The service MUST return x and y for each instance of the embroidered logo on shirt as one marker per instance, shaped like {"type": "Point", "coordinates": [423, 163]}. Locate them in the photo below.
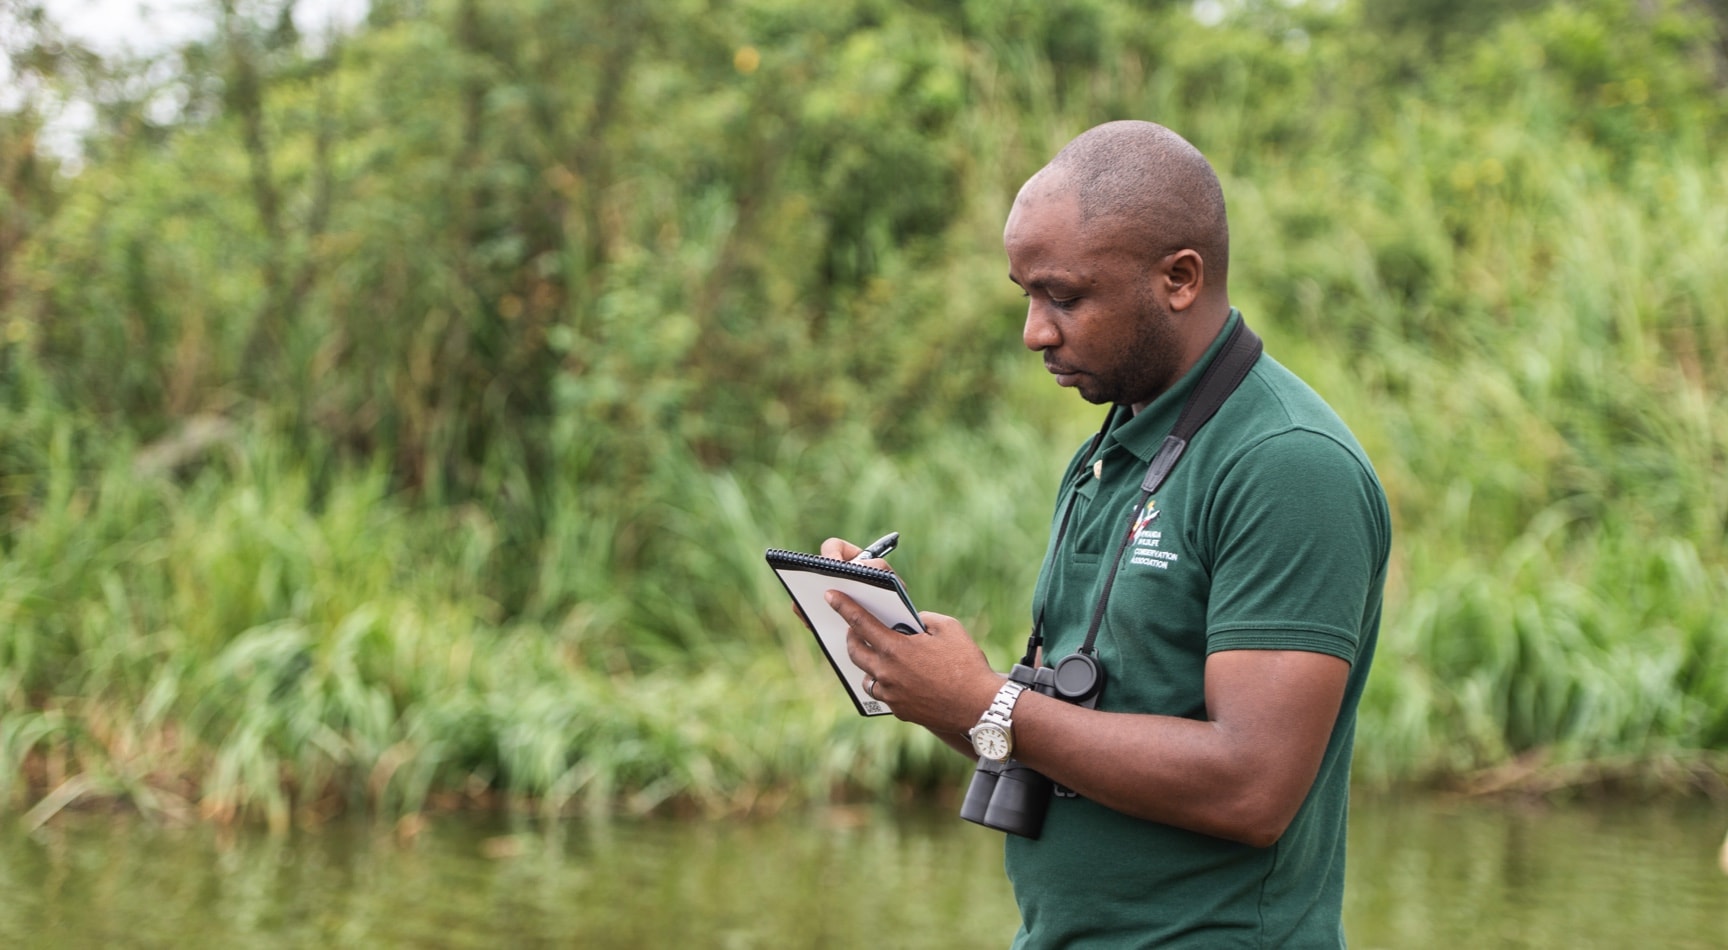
{"type": "Point", "coordinates": [1147, 515]}
{"type": "Point", "coordinates": [1147, 550]}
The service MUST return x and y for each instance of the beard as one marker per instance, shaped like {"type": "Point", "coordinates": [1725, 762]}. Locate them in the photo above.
{"type": "Point", "coordinates": [1144, 365]}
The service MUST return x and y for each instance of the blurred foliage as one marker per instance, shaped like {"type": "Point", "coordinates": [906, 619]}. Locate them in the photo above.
{"type": "Point", "coordinates": [405, 410]}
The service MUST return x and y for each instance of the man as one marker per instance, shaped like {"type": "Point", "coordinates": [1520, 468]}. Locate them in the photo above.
{"type": "Point", "coordinates": [1211, 782]}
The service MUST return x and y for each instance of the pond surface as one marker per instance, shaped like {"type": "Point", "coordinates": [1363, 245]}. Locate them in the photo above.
{"type": "Point", "coordinates": [1423, 873]}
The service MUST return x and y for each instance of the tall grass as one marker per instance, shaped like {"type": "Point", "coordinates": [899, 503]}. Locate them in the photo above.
{"type": "Point", "coordinates": [1553, 443]}
{"type": "Point", "coordinates": [235, 649]}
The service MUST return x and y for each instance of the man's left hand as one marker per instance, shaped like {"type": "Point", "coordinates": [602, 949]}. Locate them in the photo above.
{"type": "Point", "coordinates": [940, 679]}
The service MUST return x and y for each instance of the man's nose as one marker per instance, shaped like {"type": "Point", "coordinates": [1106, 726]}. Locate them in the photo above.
{"type": "Point", "coordinates": [1039, 332]}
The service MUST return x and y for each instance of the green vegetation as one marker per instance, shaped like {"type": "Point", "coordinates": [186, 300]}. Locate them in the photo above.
{"type": "Point", "coordinates": [396, 420]}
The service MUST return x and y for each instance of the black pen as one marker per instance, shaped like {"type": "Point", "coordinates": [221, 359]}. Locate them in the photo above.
{"type": "Point", "coordinates": [879, 547]}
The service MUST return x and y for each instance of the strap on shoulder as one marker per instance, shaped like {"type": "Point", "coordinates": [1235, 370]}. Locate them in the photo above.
{"type": "Point", "coordinates": [1219, 380]}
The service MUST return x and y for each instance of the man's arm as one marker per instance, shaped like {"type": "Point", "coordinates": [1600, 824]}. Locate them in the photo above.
{"type": "Point", "coordinates": [1241, 774]}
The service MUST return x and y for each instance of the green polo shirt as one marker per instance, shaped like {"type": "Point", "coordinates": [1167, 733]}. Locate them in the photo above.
{"type": "Point", "coordinates": [1272, 533]}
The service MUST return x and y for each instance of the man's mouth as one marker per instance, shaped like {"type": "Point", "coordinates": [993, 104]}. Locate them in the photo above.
{"type": "Point", "coordinates": [1065, 375]}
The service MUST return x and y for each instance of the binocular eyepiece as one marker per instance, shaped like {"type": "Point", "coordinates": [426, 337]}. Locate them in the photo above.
{"type": "Point", "coordinates": [1012, 797]}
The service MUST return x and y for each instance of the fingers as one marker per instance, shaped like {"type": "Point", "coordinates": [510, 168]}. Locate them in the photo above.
{"type": "Point", "coordinates": [847, 608]}
{"type": "Point", "coordinates": [862, 623]}
{"type": "Point", "coordinates": [840, 549]}
{"type": "Point", "coordinates": [940, 680]}
{"type": "Point", "coordinates": [866, 637]}
{"type": "Point", "coordinates": [935, 623]}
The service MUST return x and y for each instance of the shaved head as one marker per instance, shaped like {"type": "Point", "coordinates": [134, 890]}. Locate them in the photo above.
{"type": "Point", "coordinates": [1151, 183]}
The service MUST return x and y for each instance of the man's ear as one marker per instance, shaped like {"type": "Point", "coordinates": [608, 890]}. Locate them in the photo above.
{"type": "Point", "coordinates": [1183, 275]}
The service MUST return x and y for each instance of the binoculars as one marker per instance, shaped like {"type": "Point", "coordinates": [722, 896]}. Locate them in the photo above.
{"type": "Point", "coordinates": [1012, 797]}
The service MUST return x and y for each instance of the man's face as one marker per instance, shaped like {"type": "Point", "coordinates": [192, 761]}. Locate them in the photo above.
{"type": "Point", "coordinates": [1093, 309]}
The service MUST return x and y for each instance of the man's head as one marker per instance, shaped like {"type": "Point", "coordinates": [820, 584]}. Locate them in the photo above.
{"type": "Point", "coordinates": [1122, 247]}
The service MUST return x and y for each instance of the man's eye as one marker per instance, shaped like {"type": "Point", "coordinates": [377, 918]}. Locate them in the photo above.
{"type": "Point", "coordinates": [1064, 303]}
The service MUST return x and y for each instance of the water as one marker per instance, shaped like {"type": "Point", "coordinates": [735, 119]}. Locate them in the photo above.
{"type": "Point", "coordinates": [1430, 873]}
{"type": "Point", "coordinates": [1423, 873]}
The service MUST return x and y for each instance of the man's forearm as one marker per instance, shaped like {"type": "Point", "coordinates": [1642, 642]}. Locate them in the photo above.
{"type": "Point", "coordinates": [1241, 774]}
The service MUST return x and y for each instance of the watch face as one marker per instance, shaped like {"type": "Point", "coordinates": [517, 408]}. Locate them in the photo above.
{"type": "Point", "coordinates": [991, 742]}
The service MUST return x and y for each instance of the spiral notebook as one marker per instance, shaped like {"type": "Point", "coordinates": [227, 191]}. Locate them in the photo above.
{"type": "Point", "coordinates": [807, 577]}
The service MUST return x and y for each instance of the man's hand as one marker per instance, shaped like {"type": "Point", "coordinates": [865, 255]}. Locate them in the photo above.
{"type": "Point", "coordinates": [841, 549]}
{"type": "Point", "coordinates": [940, 679]}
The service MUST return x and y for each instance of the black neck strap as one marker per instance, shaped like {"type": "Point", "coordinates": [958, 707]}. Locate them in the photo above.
{"type": "Point", "coordinates": [1220, 378]}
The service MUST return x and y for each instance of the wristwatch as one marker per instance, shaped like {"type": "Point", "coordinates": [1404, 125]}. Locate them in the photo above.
{"type": "Point", "coordinates": [993, 737]}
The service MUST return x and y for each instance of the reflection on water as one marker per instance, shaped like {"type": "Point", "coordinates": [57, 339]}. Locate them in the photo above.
{"type": "Point", "coordinates": [1431, 874]}
{"type": "Point", "coordinates": [1423, 873]}
{"type": "Point", "coordinates": [838, 878]}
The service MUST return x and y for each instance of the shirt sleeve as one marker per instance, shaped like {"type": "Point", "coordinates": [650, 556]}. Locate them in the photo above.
{"type": "Point", "coordinates": [1297, 541]}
